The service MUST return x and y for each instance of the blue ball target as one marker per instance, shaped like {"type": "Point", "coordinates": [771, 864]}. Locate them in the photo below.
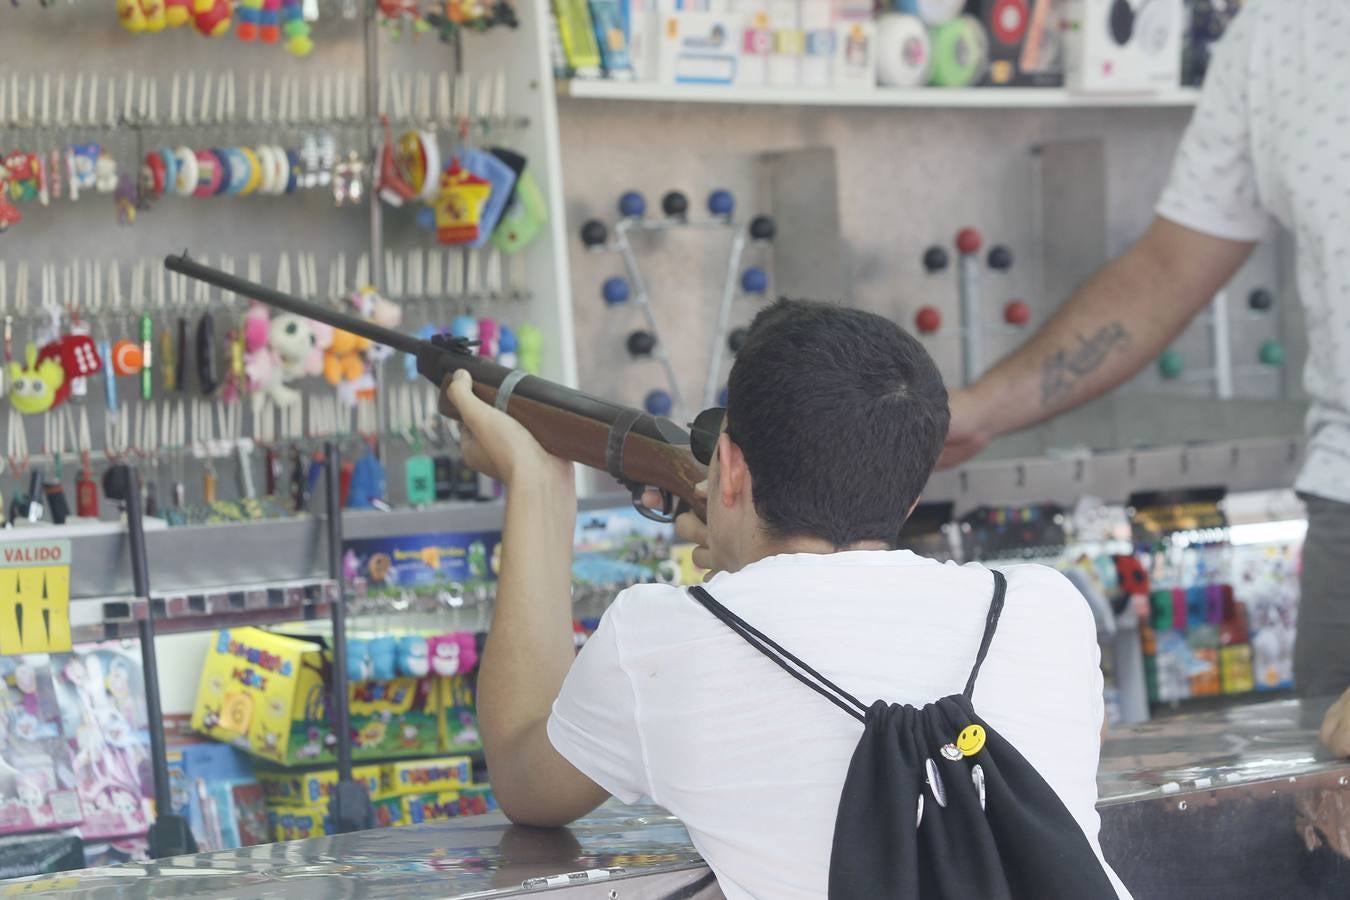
{"type": "Point", "coordinates": [721, 203]}
{"type": "Point", "coordinates": [615, 290]}
{"type": "Point", "coordinates": [658, 403]}
{"type": "Point", "coordinates": [754, 281]}
{"type": "Point", "coordinates": [722, 397]}
{"type": "Point", "coordinates": [632, 205]}
{"type": "Point", "coordinates": [464, 327]}
{"type": "Point", "coordinates": [426, 219]}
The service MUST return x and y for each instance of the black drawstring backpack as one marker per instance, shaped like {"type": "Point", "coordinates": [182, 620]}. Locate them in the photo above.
{"type": "Point", "coordinates": [936, 804]}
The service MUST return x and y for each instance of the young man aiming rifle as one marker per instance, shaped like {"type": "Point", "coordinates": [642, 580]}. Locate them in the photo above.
{"type": "Point", "coordinates": [835, 420]}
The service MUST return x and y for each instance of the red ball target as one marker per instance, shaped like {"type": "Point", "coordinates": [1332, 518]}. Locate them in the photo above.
{"type": "Point", "coordinates": [928, 320]}
{"type": "Point", "coordinates": [968, 241]}
{"type": "Point", "coordinates": [1017, 313]}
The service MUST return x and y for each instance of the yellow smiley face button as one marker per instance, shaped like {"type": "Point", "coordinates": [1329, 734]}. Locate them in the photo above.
{"type": "Point", "coordinates": [971, 740]}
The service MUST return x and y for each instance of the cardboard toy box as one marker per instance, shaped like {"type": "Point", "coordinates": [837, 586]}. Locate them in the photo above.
{"type": "Point", "coordinates": [101, 694]}
{"type": "Point", "coordinates": [295, 823]}
{"type": "Point", "coordinates": [422, 776]}
{"type": "Point", "coordinates": [313, 787]}
{"type": "Point", "coordinates": [39, 791]}
{"type": "Point", "coordinates": [419, 808]}
{"type": "Point", "coordinates": [458, 714]}
{"type": "Point", "coordinates": [476, 800]}
{"type": "Point", "coordinates": [214, 788]}
{"type": "Point", "coordinates": [267, 694]}
{"type": "Point", "coordinates": [697, 46]}
{"type": "Point", "coordinates": [1123, 45]}
{"type": "Point", "coordinates": [1026, 42]}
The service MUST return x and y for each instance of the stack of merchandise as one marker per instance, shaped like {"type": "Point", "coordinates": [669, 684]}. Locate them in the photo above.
{"type": "Point", "coordinates": [1197, 639]}
{"type": "Point", "coordinates": [407, 792]}
{"type": "Point", "coordinates": [269, 694]}
{"type": "Point", "coordinates": [74, 750]}
{"type": "Point", "coordinates": [214, 789]}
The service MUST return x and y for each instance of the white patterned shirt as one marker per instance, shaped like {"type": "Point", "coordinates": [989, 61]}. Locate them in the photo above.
{"type": "Point", "coordinates": [1270, 142]}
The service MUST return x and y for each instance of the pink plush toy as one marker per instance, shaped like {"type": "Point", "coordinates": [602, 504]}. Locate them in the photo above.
{"type": "Point", "coordinates": [279, 349]}
{"type": "Point", "coordinates": [468, 652]}
{"type": "Point", "coordinates": [444, 650]}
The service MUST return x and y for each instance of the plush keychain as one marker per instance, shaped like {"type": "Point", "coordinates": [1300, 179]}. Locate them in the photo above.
{"type": "Point", "coordinates": [383, 658]}
{"type": "Point", "coordinates": [33, 387]}
{"type": "Point", "coordinates": [78, 357]}
{"type": "Point", "coordinates": [359, 664]}
{"type": "Point", "coordinates": [177, 13]}
{"type": "Point", "coordinates": [412, 656]}
{"type": "Point", "coordinates": [211, 17]}
{"type": "Point", "coordinates": [295, 29]}
{"type": "Point", "coordinates": [468, 652]}
{"type": "Point", "coordinates": [444, 650]}
{"type": "Point", "coordinates": [500, 172]}
{"type": "Point", "coordinates": [279, 349]}
{"type": "Point", "coordinates": [523, 219]}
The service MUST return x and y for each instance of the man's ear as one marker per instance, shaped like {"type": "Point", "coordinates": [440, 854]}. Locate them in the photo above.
{"type": "Point", "coordinates": [733, 476]}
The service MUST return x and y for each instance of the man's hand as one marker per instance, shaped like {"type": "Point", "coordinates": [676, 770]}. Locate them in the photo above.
{"type": "Point", "coordinates": [494, 443]}
{"type": "Point", "coordinates": [1336, 726]}
{"type": "Point", "coordinates": [967, 434]}
{"type": "Point", "coordinates": [689, 528]}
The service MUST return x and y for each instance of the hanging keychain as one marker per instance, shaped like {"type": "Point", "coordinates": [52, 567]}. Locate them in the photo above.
{"type": "Point", "coordinates": [86, 490]}
{"type": "Point", "coordinates": [53, 489]}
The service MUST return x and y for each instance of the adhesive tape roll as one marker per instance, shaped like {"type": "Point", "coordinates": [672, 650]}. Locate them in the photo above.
{"type": "Point", "coordinates": [960, 53]}
{"type": "Point", "coordinates": [903, 52]}
{"type": "Point", "coordinates": [933, 12]}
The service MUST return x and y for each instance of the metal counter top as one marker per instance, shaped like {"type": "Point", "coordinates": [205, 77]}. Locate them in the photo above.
{"type": "Point", "coordinates": [1160, 782]}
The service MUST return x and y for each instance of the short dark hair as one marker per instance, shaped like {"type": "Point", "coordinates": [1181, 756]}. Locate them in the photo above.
{"type": "Point", "coordinates": [841, 415]}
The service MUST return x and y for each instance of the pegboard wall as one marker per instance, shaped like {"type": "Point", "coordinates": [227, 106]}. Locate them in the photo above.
{"type": "Point", "coordinates": [177, 88]}
{"type": "Point", "coordinates": [906, 179]}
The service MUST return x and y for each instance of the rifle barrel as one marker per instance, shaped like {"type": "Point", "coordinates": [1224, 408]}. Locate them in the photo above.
{"type": "Point", "coordinates": [366, 329]}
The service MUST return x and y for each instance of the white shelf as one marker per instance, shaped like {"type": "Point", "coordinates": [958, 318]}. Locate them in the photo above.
{"type": "Point", "coordinates": [966, 98]}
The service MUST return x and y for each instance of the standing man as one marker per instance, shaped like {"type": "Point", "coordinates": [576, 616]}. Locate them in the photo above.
{"type": "Point", "coordinates": [1269, 142]}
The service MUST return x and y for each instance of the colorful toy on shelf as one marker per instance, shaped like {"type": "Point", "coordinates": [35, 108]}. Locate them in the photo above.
{"type": "Point", "coordinates": [401, 17]}
{"type": "Point", "coordinates": [177, 13]}
{"type": "Point", "coordinates": [278, 350]}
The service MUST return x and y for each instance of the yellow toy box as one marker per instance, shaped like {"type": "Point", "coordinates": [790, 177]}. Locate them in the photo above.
{"type": "Point", "coordinates": [421, 776]}
{"type": "Point", "coordinates": [267, 694]}
{"type": "Point", "coordinates": [419, 808]}
{"type": "Point", "coordinates": [294, 823]}
{"type": "Point", "coordinates": [314, 787]}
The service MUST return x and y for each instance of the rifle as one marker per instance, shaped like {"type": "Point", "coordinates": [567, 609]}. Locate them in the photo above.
{"type": "Point", "coordinates": [638, 449]}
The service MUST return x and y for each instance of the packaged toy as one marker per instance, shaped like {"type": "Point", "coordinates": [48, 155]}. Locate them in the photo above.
{"type": "Point", "coordinates": [37, 784]}
{"type": "Point", "coordinates": [420, 776]}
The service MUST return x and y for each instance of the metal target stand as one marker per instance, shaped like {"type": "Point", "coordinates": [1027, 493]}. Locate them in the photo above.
{"type": "Point", "coordinates": [617, 290]}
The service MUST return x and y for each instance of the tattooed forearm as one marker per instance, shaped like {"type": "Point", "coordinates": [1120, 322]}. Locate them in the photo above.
{"type": "Point", "coordinates": [1063, 369]}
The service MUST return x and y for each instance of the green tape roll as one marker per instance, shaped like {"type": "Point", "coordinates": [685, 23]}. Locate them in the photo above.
{"type": "Point", "coordinates": [960, 53]}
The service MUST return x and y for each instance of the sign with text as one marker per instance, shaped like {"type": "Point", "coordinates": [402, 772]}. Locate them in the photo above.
{"type": "Point", "coordinates": [35, 597]}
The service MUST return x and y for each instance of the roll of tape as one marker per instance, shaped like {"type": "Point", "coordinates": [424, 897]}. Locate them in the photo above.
{"type": "Point", "coordinates": [933, 12]}
{"type": "Point", "coordinates": [960, 53]}
{"type": "Point", "coordinates": [903, 51]}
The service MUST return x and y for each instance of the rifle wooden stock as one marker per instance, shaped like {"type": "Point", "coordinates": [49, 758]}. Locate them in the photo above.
{"type": "Point", "coordinates": [568, 423]}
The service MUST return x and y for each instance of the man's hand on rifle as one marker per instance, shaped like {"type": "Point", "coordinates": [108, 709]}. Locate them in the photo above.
{"type": "Point", "coordinates": [689, 528]}
{"type": "Point", "coordinates": [496, 444]}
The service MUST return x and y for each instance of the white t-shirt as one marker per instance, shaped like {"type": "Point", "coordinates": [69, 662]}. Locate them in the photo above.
{"type": "Point", "coordinates": [1270, 142]}
{"type": "Point", "coordinates": [666, 703]}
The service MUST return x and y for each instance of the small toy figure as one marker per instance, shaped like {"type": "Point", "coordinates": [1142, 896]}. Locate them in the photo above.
{"type": "Point", "coordinates": [33, 387]}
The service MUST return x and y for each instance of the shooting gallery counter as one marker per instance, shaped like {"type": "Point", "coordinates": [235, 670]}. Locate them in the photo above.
{"type": "Point", "coordinates": [1232, 804]}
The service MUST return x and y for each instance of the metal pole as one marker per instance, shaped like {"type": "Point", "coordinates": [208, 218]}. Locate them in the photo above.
{"type": "Point", "coordinates": [643, 302]}
{"type": "Point", "coordinates": [719, 339]}
{"type": "Point", "coordinates": [1223, 348]}
{"type": "Point", "coordinates": [972, 334]}
{"type": "Point", "coordinates": [333, 527]}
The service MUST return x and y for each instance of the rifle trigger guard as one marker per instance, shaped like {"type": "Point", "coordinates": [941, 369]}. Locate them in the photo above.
{"type": "Point", "coordinates": [618, 436]}
{"type": "Point", "coordinates": [667, 513]}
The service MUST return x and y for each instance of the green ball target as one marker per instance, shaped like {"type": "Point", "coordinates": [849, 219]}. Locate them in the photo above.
{"type": "Point", "coordinates": [1171, 364]}
{"type": "Point", "coordinates": [1271, 354]}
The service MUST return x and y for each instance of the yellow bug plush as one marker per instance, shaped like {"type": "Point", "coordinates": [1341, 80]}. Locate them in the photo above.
{"type": "Point", "coordinates": [32, 388]}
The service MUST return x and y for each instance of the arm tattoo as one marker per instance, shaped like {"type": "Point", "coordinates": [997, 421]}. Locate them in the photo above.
{"type": "Point", "coordinates": [1063, 369]}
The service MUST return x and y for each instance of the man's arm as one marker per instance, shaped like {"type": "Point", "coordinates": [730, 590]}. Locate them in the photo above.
{"type": "Point", "coordinates": [1112, 327]}
{"type": "Point", "coordinates": [529, 647]}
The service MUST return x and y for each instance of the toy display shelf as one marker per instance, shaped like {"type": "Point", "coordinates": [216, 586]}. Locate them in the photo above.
{"type": "Point", "coordinates": [940, 98]}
